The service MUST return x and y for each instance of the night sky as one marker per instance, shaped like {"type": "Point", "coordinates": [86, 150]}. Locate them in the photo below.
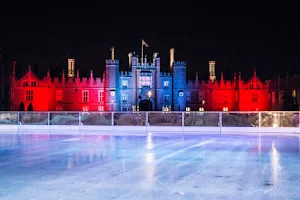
{"type": "Point", "coordinates": [239, 37]}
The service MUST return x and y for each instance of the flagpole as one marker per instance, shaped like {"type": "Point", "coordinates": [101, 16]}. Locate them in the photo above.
{"type": "Point", "coordinates": [142, 51]}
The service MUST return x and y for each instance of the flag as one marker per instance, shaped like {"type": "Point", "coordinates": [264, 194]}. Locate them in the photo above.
{"type": "Point", "coordinates": [145, 43]}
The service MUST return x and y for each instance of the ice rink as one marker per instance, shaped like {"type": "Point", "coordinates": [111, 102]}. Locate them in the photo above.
{"type": "Point", "coordinates": [71, 167]}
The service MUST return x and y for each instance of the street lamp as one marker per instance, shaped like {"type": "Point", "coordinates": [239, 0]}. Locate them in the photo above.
{"type": "Point", "coordinates": [149, 94]}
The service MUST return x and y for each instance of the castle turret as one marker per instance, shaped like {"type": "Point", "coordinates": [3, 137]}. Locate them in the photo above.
{"type": "Point", "coordinates": [157, 95]}
{"type": "Point", "coordinates": [212, 73]}
{"type": "Point", "coordinates": [179, 86]}
{"type": "Point", "coordinates": [71, 67]}
{"type": "Point", "coordinates": [112, 75]}
{"type": "Point", "coordinates": [134, 83]}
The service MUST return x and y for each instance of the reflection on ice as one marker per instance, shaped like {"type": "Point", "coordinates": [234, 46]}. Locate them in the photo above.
{"type": "Point", "coordinates": [169, 167]}
{"type": "Point", "coordinates": [275, 165]}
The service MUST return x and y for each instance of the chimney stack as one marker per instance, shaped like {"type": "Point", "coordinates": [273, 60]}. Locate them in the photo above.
{"type": "Point", "coordinates": [112, 49]}
{"type": "Point", "coordinates": [172, 52]}
{"type": "Point", "coordinates": [71, 67]}
{"type": "Point", "coordinates": [130, 59]}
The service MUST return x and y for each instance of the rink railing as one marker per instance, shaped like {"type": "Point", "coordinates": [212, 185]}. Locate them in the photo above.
{"type": "Point", "coordinates": [273, 121]}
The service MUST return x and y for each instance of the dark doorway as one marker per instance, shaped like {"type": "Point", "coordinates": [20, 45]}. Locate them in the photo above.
{"type": "Point", "coordinates": [145, 105]}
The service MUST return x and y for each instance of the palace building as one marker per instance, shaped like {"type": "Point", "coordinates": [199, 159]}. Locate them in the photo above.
{"type": "Point", "coordinates": [142, 87]}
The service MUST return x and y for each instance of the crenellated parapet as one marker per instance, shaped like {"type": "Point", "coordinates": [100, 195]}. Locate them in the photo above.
{"type": "Point", "coordinates": [125, 73]}
{"type": "Point", "coordinates": [165, 74]}
{"type": "Point", "coordinates": [179, 63]}
{"type": "Point", "coordinates": [111, 62]}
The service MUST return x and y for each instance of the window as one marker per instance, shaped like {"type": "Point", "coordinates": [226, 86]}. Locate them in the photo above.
{"type": "Point", "coordinates": [124, 109]}
{"type": "Point", "coordinates": [145, 81]}
{"type": "Point", "coordinates": [273, 97]}
{"type": "Point", "coordinates": [281, 93]}
{"type": "Point", "coordinates": [85, 108]}
{"type": "Point", "coordinates": [251, 86]}
{"type": "Point", "coordinates": [25, 83]}
{"type": "Point", "coordinates": [29, 95]}
{"type": "Point", "coordinates": [167, 98]}
{"type": "Point", "coordinates": [166, 84]}
{"type": "Point", "coordinates": [225, 109]}
{"type": "Point", "coordinates": [59, 95]}
{"type": "Point", "coordinates": [294, 93]}
{"type": "Point", "coordinates": [187, 109]}
{"type": "Point", "coordinates": [124, 83]}
{"type": "Point", "coordinates": [201, 109]}
{"type": "Point", "coordinates": [100, 108]}
{"type": "Point", "coordinates": [201, 96]}
{"type": "Point", "coordinates": [257, 86]}
{"type": "Point", "coordinates": [85, 96]}
{"type": "Point", "coordinates": [254, 97]}
{"type": "Point", "coordinates": [100, 95]}
{"type": "Point", "coordinates": [33, 83]}
{"type": "Point", "coordinates": [188, 97]}
{"type": "Point", "coordinates": [59, 107]}
{"type": "Point", "coordinates": [124, 97]}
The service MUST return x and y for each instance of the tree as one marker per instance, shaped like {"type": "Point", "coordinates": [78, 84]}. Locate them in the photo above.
{"type": "Point", "coordinates": [22, 107]}
{"type": "Point", "coordinates": [30, 108]}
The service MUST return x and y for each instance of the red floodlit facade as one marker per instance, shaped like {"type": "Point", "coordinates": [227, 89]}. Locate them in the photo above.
{"type": "Point", "coordinates": [72, 93]}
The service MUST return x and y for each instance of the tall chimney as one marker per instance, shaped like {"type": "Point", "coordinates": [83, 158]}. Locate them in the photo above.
{"type": "Point", "coordinates": [130, 59]}
{"type": "Point", "coordinates": [212, 73]}
{"type": "Point", "coordinates": [14, 68]}
{"type": "Point", "coordinates": [172, 52]}
{"type": "Point", "coordinates": [71, 67]}
{"type": "Point", "coordinates": [112, 49]}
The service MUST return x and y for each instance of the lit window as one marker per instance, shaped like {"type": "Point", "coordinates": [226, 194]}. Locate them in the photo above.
{"type": "Point", "coordinates": [254, 97]}
{"type": "Point", "coordinates": [29, 95]}
{"type": "Point", "coordinates": [187, 109]}
{"type": "Point", "coordinates": [201, 109]}
{"type": "Point", "coordinates": [100, 95]}
{"type": "Point", "coordinates": [100, 108]}
{"type": "Point", "coordinates": [166, 108]}
{"type": "Point", "coordinates": [166, 84]}
{"type": "Point", "coordinates": [85, 96]}
{"type": "Point", "coordinates": [85, 108]}
{"type": "Point", "coordinates": [145, 81]}
{"type": "Point", "coordinates": [225, 109]}
{"type": "Point", "coordinates": [294, 93]}
{"type": "Point", "coordinates": [124, 83]}
{"type": "Point", "coordinates": [124, 97]}
{"type": "Point", "coordinates": [59, 95]}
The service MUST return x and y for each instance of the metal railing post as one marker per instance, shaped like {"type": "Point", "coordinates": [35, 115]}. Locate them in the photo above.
{"type": "Point", "coordinates": [299, 120]}
{"type": "Point", "coordinates": [220, 122]}
{"type": "Point", "coordinates": [48, 118]}
{"type": "Point", "coordinates": [182, 119]}
{"type": "Point", "coordinates": [112, 118]}
{"type": "Point", "coordinates": [259, 119]}
{"type": "Point", "coordinates": [147, 123]}
{"type": "Point", "coordinates": [79, 118]}
{"type": "Point", "coordinates": [18, 118]}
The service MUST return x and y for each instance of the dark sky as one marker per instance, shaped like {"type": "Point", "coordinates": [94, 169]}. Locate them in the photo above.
{"type": "Point", "coordinates": [239, 37]}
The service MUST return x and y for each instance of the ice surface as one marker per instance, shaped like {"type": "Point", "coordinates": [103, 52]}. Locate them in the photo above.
{"type": "Point", "coordinates": [41, 166]}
